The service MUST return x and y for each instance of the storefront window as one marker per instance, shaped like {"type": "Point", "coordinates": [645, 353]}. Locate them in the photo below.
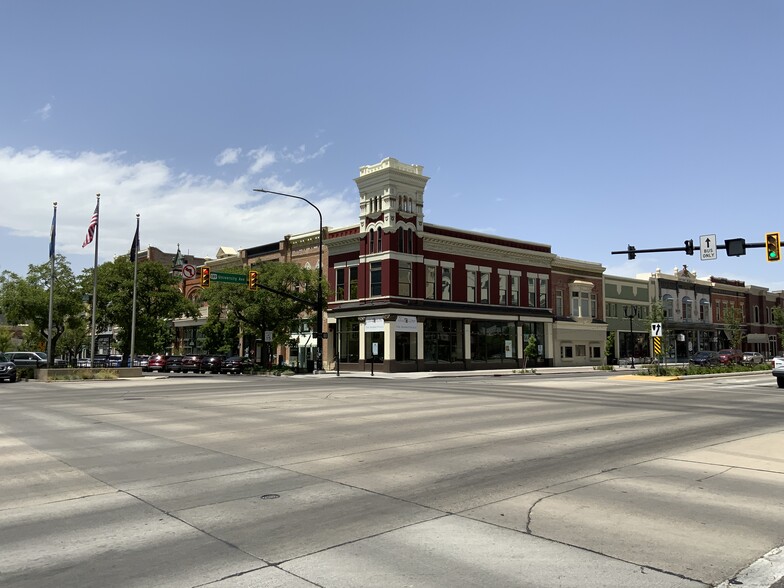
{"type": "Point", "coordinates": [493, 341]}
{"type": "Point", "coordinates": [443, 340]}
{"type": "Point", "coordinates": [405, 346]}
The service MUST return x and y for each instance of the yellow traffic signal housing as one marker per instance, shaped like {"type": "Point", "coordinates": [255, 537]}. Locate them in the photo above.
{"type": "Point", "coordinates": [205, 277]}
{"type": "Point", "coordinates": [773, 246]}
{"type": "Point", "coordinates": [253, 280]}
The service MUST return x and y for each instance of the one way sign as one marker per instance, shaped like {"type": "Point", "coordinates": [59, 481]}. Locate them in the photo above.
{"type": "Point", "coordinates": [708, 247]}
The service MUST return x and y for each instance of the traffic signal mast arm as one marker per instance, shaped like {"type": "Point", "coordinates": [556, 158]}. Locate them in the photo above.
{"type": "Point", "coordinates": [688, 248]}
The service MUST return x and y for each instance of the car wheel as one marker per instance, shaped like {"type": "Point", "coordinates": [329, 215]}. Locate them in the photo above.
{"type": "Point", "coordinates": [12, 379]}
{"type": "Point", "coordinates": [780, 381]}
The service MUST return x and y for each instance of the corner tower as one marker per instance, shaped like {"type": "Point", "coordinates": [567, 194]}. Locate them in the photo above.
{"type": "Point", "coordinates": [391, 196]}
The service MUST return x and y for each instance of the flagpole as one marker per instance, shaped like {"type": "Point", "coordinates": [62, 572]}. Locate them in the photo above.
{"type": "Point", "coordinates": [49, 361]}
{"type": "Point", "coordinates": [135, 253]}
{"type": "Point", "coordinates": [95, 279]}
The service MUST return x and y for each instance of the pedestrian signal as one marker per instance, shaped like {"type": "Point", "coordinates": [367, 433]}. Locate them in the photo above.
{"type": "Point", "coordinates": [253, 280]}
{"type": "Point", "coordinates": [773, 246]}
{"type": "Point", "coordinates": [205, 277]}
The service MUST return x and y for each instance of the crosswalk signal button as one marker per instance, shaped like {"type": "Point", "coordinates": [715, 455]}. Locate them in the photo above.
{"type": "Point", "coordinates": [773, 246]}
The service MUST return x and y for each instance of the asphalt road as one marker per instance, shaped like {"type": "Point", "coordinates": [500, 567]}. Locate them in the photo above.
{"type": "Point", "coordinates": [525, 480]}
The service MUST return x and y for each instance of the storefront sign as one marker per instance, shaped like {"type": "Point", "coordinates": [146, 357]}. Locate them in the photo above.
{"type": "Point", "coordinates": [405, 324]}
{"type": "Point", "coordinates": [374, 324]}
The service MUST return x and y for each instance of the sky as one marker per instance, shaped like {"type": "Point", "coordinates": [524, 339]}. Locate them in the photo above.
{"type": "Point", "coordinates": [587, 126]}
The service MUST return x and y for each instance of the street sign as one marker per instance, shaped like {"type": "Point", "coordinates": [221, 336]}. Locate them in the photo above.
{"type": "Point", "coordinates": [708, 247]}
{"type": "Point", "coordinates": [188, 271]}
{"type": "Point", "coordinates": [656, 329]}
{"type": "Point", "coordinates": [229, 278]}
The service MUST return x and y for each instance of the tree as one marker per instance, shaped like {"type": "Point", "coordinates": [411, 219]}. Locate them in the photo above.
{"type": "Point", "coordinates": [609, 347]}
{"type": "Point", "coordinates": [158, 302]}
{"type": "Point", "coordinates": [778, 320]}
{"type": "Point", "coordinates": [531, 351]}
{"type": "Point", "coordinates": [5, 339]}
{"type": "Point", "coordinates": [26, 300]}
{"type": "Point", "coordinates": [255, 312]}
{"type": "Point", "coordinates": [733, 322]}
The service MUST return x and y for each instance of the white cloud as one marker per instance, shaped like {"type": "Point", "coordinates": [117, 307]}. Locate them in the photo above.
{"type": "Point", "coordinates": [262, 158]}
{"type": "Point", "coordinates": [201, 213]}
{"type": "Point", "coordinates": [300, 155]}
{"type": "Point", "coordinates": [45, 112]}
{"type": "Point", "coordinates": [228, 155]}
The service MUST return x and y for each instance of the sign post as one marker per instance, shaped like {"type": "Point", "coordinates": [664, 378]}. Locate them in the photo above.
{"type": "Point", "coordinates": [708, 248]}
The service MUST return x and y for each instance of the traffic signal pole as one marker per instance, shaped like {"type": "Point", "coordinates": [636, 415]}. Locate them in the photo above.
{"type": "Point", "coordinates": [734, 247]}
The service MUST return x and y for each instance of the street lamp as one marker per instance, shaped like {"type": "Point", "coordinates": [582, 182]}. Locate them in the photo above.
{"type": "Point", "coordinates": [319, 309]}
{"type": "Point", "coordinates": [630, 312]}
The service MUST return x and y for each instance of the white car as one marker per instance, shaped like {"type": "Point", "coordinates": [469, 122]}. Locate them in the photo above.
{"type": "Point", "coordinates": [752, 357]}
{"type": "Point", "coordinates": [778, 370]}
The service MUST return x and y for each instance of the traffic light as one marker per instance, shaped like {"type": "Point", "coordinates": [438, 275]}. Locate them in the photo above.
{"type": "Point", "coordinates": [773, 246]}
{"type": "Point", "coordinates": [205, 277]}
{"type": "Point", "coordinates": [689, 246]}
{"type": "Point", "coordinates": [631, 252]}
{"type": "Point", "coordinates": [253, 280]}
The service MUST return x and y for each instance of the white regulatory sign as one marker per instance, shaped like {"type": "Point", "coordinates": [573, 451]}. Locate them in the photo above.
{"type": "Point", "coordinates": [656, 330]}
{"type": "Point", "coordinates": [188, 271]}
{"type": "Point", "coordinates": [708, 247]}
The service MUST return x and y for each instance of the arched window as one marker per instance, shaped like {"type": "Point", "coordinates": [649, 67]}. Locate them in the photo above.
{"type": "Point", "coordinates": [371, 240]}
{"type": "Point", "coordinates": [667, 306]}
{"type": "Point", "coordinates": [686, 308]}
{"type": "Point", "coordinates": [378, 241]}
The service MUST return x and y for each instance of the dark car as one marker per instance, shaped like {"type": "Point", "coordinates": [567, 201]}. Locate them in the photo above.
{"type": "Point", "coordinates": [705, 358]}
{"type": "Point", "coordinates": [191, 363]}
{"type": "Point", "coordinates": [235, 365]}
{"type": "Point", "coordinates": [728, 356]}
{"type": "Point", "coordinates": [7, 369]}
{"type": "Point", "coordinates": [33, 359]}
{"type": "Point", "coordinates": [155, 363]}
{"type": "Point", "coordinates": [173, 363]}
{"type": "Point", "coordinates": [212, 363]}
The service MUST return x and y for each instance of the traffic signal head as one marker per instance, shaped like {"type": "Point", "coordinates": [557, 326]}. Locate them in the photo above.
{"type": "Point", "coordinates": [772, 247]}
{"type": "Point", "coordinates": [253, 280]}
{"type": "Point", "coordinates": [689, 246]}
{"type": "Point", "coordinates": [205, 277]}
{"type": "Point", "coordinates": [630, 252]}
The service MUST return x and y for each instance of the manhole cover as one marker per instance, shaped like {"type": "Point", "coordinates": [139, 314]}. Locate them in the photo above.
{"type": "Point", "coordinates": [269, 496]}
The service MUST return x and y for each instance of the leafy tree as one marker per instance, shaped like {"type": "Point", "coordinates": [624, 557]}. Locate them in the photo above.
{"type": "Point", "coordinates": [733, 322]}
{"type": "Point", "coordinates": [531, 350]}
{"type": "Point", "coordinates": [5, 339]}
{"type": "Point", "coordinates": [778, 320]}
{"type": "Point", "coordinates": [158, 302]}
{"type": "Point", "coordinates": [26, 300]}
{"type": "Point", "coordinates": [255, 312]}
{"type": "Point", "coordinates": [609, 347]}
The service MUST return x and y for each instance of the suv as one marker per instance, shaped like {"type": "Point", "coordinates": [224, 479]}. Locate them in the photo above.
{"type": "Point", "coordinates": [34, 359]}
{"type": "Point", "coordinates": [155, 363]}
{"type": "Point", "coordinates": [173, 363]}
{"type": "Point", "coordinates": [778, 370]}
{"type": "Point", "coordinates": [7, 369]}
{"type": "Point", "coordinates": [728, 356]}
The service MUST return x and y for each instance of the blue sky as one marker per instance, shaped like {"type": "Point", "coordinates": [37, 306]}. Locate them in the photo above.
{"type": "Point", "coordinates": [584, 125]}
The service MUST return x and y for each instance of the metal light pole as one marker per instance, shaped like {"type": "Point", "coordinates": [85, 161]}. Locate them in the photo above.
{"type": "Point", "coordinates": [630, 312]}
{"type": "Point", "coordinates": [319, 309]}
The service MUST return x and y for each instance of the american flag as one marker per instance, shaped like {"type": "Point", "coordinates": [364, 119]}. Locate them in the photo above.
{"type": "Point", "coordinates": [91, 228]}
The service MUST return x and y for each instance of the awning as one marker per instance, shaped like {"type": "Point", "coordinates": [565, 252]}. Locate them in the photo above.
{"type": "Point", "coordinates": [757, 338]}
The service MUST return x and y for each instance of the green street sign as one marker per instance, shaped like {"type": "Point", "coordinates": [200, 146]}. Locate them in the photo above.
{"type": "Point", "coordinates": [229, 278]}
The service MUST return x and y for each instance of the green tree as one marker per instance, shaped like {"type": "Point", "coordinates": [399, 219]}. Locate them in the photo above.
{"type": "Point", "coordinates": [158, 303]}
{"type": "Point", "coordinates": [5, 339]}
{"type": "Point", "coordinates": [733, 323]}
{"type": "Point", "coordinates": [778, 320]}
{"type": "Point", "coordinates": [25, 300]}
{"type": "Point", "coordinates": [531, 351]}
{"type": "Point", "coordinates": [609, 347]}
{"type": "Point", "coordinates": [255, 312]}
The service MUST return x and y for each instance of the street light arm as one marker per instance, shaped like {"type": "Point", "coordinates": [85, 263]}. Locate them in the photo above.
{"type": "Point", "coordinates": [292, 196]}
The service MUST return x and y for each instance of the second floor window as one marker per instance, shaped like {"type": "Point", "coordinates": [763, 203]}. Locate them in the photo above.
{"type": "Point", "coordinates": [484, 287]}
{"type": "Point", "coordinates": [404, 278]}
{"type": "Point", "coordinates": [514, 294]}
{"type": "Point", "coordinates": [340, 283]}
{"type": "Point", "coordinates": [446, 283]}
{"type": "Point", "coordinates": [430, 282]}
{"type": "Point", "coordinates": [375, 278]}
{"type": "Point", "coordinates": [503, 285]}
{"type": "Point", "coordinates": [471, 286]}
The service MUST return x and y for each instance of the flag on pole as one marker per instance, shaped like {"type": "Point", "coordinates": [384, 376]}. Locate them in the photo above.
{"type": "Point", "coordinates": [91, 228]}
{"type": "Point", "coordinates": [53, 233]}
{"type": "Point", "coordinates": [135, 244]}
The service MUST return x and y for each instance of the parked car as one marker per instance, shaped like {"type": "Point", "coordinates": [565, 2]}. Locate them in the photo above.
{"type": "Point", "coordinates": [7, 369]}
{"type": "Point", "coordinates": [173, 363]}
{"type": "Point", "coordinates": [728, 356]}
{"type": "Point", "coordinates": [753, 357]}
{"type": "Point", "coordinates": [191, 363]}
{"type": "Point", "coordinates": [212, 363]}
{"type": "Point", "coordinates": [778, 370]}
{"type": "Point", "coordinates": [155, 363]}
{"type": "Point", "coordinates": [235, 365]}
{"type": "Point", "coordinates": [33, 359]}
{"type": "Point", "coordinates": [141, 361]}
{"type": "Point", "coordinates": [705, 358]}
{"type": "Point", "coordinates": [114, 361]}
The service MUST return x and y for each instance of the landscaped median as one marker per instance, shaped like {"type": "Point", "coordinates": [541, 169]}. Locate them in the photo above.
{"type": "Point", "coordinates": [46, 374]}
{"type": "Point", "coordinates": [666, 373]}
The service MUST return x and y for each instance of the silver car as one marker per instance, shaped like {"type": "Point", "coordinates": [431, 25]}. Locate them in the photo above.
{"type": "Point", "coordinates": [752, 357]}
